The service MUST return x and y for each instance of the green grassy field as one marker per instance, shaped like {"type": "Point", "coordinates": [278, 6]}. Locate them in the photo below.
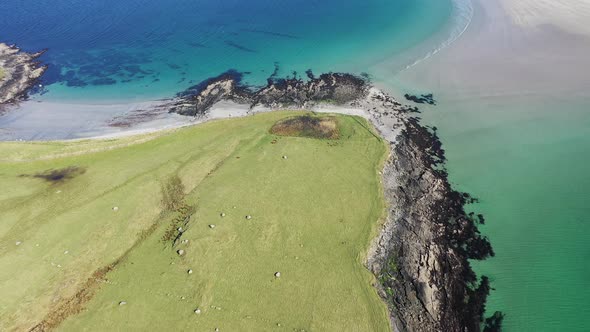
{"type": "Point", "coordinates": [312, 217]}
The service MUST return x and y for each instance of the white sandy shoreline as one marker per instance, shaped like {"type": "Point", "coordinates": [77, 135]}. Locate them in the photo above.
{"type": "Point", "coordinates": [163, 120]}
{"type": "Point", "coordinates": [160, 122]}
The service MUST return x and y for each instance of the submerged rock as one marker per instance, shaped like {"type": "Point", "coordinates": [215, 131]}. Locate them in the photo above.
{"type": "Point", "coordinates": [421, 99]}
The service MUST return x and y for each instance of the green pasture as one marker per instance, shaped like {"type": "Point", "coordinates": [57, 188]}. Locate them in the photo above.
{"type": "Point", "coordinates": [75, 245]}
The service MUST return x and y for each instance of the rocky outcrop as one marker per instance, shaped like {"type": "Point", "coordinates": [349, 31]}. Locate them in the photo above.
{"type": "Point", "coordinates": [283, 92]}
{"type": "Point", "coordinates": [421, 256]}
{"type": "Point", "coordinates": [198, 99]}
{"type": "Point", "coordinates": [19, 71]}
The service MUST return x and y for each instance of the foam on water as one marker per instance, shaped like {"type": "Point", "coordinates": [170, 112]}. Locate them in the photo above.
{"type": "Point", "coordinates": [461, 19]}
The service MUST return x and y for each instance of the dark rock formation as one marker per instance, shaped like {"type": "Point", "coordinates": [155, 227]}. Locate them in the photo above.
{"type": "Point", "coordinates": [433, 285]}
{"type": "Point", "coordinates": [421, 99]}
{"type": "Point", "coordinates": [421, 257]}
{"type": "Point", "coordinates": [279, 92]}
{"type": "Point", "coordinates": [20, 71]}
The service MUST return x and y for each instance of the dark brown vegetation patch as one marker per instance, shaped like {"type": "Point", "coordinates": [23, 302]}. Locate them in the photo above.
{"type": "Point", "coordinates": [325, 127]}
{"type": "Point", "coordinates": [59, 175]}
{"type": "Point", "coordinates": [75, 304]}
{"type": "Point", "coordinates": [172, 193]}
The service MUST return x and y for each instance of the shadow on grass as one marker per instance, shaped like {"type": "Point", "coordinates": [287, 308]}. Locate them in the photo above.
{"type": "Point", "coordinates": [60, 175]}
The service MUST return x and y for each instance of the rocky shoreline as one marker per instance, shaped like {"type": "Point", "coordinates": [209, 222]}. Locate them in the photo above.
{"type": "Point", "coordinates": [20, 71]}
{"type": "Point", "coordinates": [295, 92]}
{"type": "Point", "coordinates": [422, 252]}
{"type": "Point", "coordinates": [421, 256]}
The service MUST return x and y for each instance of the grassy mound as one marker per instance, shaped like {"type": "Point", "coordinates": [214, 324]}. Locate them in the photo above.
{"type": "Point", "coordinates": [324, 127]}
{"type": "Point", "coordinates": [99, 248]}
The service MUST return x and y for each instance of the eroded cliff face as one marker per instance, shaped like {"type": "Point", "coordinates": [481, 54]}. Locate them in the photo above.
{"type": "Point", "coordinates": [421, 254]}
{"type": "Point", "coordinates": [21, 70]}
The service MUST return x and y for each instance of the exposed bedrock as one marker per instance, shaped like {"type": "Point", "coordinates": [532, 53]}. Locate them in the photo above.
{"type": "Point", "coordinates": [19, 71]}
{"type": "Point", "coordinates": [279, 92]}
{"type": "Point", "coordinates": [421, 255]}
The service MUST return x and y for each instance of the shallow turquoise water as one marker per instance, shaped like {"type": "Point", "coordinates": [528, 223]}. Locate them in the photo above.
{"type": "Point", "coordinates": [143, 50]}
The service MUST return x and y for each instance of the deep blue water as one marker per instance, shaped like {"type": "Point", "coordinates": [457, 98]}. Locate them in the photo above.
{"type": "Point", "coordinates": [142, 50]}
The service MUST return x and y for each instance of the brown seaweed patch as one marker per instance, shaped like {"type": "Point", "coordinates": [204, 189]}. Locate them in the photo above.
{"type": "Point", "coordinates": [59, 175]}
{"type": "Point", "coordinates": [325, 127]}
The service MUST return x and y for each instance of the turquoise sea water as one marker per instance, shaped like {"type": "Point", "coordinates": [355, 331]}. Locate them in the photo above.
{"type": "Point", "coordinates": [133, 50]}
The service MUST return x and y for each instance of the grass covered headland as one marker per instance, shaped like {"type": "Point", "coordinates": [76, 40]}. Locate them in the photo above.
{"type": "Point", "coordinates": [222, 225]}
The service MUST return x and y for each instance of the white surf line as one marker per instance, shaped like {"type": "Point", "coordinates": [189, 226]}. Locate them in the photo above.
{"type": "Point", "coordinates": [464, 16]}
